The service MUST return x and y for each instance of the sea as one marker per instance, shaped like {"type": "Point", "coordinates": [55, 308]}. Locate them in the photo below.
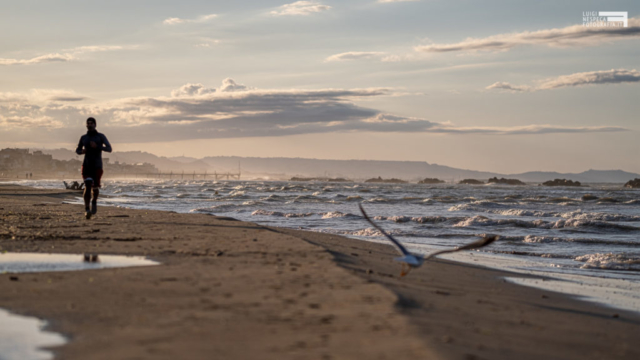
{"type": "Point", "coordinates": [583, 241]}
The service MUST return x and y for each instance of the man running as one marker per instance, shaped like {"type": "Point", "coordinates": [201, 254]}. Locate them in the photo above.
{"type": "Point", "coordinates": [92, 144]}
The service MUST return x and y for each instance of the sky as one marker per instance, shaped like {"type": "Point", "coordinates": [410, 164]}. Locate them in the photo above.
{"type": "Point", "coordinates": [503, 86]}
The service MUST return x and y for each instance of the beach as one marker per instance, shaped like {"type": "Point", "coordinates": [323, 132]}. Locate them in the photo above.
{"type": "Point", "coordinates": [228, 289]}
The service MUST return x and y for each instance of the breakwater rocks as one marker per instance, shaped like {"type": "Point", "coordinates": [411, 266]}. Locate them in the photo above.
{"type": "Point", "coordinates": [503, 181]}
{"type": "Point", "coordinates": [320, 179]}
{"type": "Point", "coordinates": [634, 184]}
{"type": "Point", "coordinates": [386, 181]}
{"type": "Point", "coordinates": [431, 181]}
{"type": "Point", "coordinates": [561, 182]}
{"type": "Point", "coordinates": [471, 182]}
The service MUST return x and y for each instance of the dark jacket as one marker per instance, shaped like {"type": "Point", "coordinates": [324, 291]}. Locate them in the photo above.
{"type": "Point", "coordinates": [93, 157]}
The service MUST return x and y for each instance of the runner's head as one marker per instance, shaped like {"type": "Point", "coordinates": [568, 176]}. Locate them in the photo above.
{"type": "Point", "coordinates": [91, 124]}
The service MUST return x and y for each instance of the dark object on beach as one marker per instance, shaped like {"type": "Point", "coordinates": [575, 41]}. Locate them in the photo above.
{"type": "Point", "coordinates": [320, 179]}
{"type": "Point", "coordinates": [91, 258]}
{"type": "Point", "coordinates": [633, 184]}
{"type": "Point", "coordinates": [503, 181]}
{"type": "Point", "coordinates": [588, 197]}
{"type": "Point", "coordinates": [13, 278]}
{"type": "Point", "coordinates": [561, 182]}
{"type": "Point", "coordinates": [74, 186]}
{"type": "Point", "coordinates": [386, 181]}
{"type": "Point", "coordinates": [471, 182]}
{"type": "Point", "coordinates": [410, 260]}
{"type": "Point", "coordinates": [431, 181]}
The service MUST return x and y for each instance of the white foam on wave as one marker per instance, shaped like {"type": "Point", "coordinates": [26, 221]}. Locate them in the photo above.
{"type": "Point", "coordinates": [609, 261]}
{"type": "Point", "coordinates": [281, 214]}
{"type": "Point", "coordinates": [338, 214]}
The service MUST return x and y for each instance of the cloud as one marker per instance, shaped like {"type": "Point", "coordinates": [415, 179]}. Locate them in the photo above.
{"type": "Point", "coordinates": [207, 42]}
{"type": "Point", "coordinates": [68, 55]}
{"type": "Point", "coordinates": [393, 1]}
{"type": "Point", "coordinates": [199, 19]}
{"type": "Point", "coordinates": [355, 55]}
{"type": "Point", "coordinates": [613, 76]}
{"type": "Point", "coordinates": [195, 111]}
{"type": "Point", "coordinates": [39, 59]}
{"type": "Point", "coordinates": [191, 90]}
{"type": "Point", "coordinates": [506, 86]}
{"type": "Point", "coordinates": [41, 96]}
{"type": "Point", "coordinates": [28, 122]}
{"type": "Point", "coordinates": [576, 35]}
{"type": "Point", "coordinates": [228, 85]}
{"type": "Point", "coordinates": [300, 8]}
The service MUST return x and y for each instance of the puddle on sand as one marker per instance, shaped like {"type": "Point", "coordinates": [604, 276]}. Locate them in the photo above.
{"type": "Point", "coordinates": [23, 337]}
{"type": "Point", "coordinates": [36, 262]}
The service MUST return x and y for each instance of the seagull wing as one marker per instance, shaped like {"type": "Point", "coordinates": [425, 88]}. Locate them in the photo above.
{"type": "Point", "coordinates": [395, 242]}
{"type": "Point", "coordinates": [474, 245]}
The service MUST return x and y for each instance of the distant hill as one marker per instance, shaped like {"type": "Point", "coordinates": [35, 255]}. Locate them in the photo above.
{"type": "Point", "coordinates": [283, 168]}
{"type": "Point", "coordinates": [354, 169]}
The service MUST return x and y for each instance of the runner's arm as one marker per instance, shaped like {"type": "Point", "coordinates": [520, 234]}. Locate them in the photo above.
{"type": "Point", "coordinates": [79, 149]}
{"type": "Point", "coordinates": [106, 146]}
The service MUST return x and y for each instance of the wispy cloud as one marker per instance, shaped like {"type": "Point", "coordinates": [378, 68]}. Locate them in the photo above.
{"type": "Point", "coordinates": [576, 35]}
{"type": "Point", "coordinates": [394, 1]}
{"type": "Point", "coordinates": [300, 8]}
{"type": "Point", "coordinates": [56, 57]}
{"type": "Point", "coordinates": [207, 42]}
{"type": "Point", "coordinates": [613, 76]}
{"type": "Point", "coordinates": [199, 19]}
{"type": "Point", "coordinates": [26, 122]}
{"type": "Point", "coordinates": [187, 90]}
{"type": "Point", "coordinates": [67, 55]}
{"type": "Point", "coordinates": [355, 55]}
{"type": "Point", "coordinates": [195, 111]}
{"type": "Point", "coordinates": [500, 85]}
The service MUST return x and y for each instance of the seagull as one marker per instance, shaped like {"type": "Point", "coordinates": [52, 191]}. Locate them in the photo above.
{"type": "Point", "coordinates": [411, 260]}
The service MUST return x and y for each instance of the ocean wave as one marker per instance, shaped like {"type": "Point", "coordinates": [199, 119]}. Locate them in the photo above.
{"type": "Point", "coordinates": [338, 214]}
{"type": "Point", "coordinates": [579, 215]}
{"type": "Point", "coordinates": [570, 215]}
{"type": "Point", "coordinates": [273, 198]}
{"type": "Point", "coordinates": [479, 220]}
{"type": "Point", "coordinates": [534, 239]}
{"type": "Point", "coordinates": [237, 193]}
{"type": "Point", "coordinates": [609, 261]}
{"type": "Point", "coordinates": [281, 214]}
{"type": "Point", "coordinates": [419, 219]}
{"type": "Point", "coordinates": [578, 223]}
{"type": "Point", "coordinates": [378, 200]}
{"type": "Point", "coordinates": [365, 232]}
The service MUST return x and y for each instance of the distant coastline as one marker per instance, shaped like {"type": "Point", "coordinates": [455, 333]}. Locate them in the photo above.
{"type": "Point", "coordinates": [254, 168]}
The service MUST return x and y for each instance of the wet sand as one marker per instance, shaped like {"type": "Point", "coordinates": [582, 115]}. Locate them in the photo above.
{"type": "Point", "coordinates": [235, 290]}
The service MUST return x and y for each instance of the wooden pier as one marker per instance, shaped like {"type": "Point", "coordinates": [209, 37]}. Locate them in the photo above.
{"type": "Point", "coordinates": [178, 175]}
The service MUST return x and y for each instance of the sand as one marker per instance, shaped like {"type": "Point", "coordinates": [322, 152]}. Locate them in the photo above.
{"type": "Point", "coordinates": [228, 289]}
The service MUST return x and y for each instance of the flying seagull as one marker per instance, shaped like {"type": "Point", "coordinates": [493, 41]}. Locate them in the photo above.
{"type": "Point", "coordinates": [411, 260]}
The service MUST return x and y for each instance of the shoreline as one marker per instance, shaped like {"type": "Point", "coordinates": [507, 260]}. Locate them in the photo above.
{"type": "Point", "coordinates": [217, 282]}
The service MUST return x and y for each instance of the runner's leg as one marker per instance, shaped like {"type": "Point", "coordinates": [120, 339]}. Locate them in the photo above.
{"type": "Point", "coordinates": [96, 191]}
{"type": "Point", "coordinates": [94, 200]}
{"type": "Point", "coordinates": [87, 197]}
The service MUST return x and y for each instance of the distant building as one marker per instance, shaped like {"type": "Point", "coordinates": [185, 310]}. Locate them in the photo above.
{"type": "Point", "coordinates": [19, 161]}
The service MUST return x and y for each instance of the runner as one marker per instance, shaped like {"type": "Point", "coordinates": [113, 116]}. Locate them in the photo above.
{"type": "Point", "coordinates": [92, 144]}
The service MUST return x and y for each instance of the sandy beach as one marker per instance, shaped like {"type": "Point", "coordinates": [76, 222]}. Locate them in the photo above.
{"type": "Point", "coordinates": [228, 289]}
